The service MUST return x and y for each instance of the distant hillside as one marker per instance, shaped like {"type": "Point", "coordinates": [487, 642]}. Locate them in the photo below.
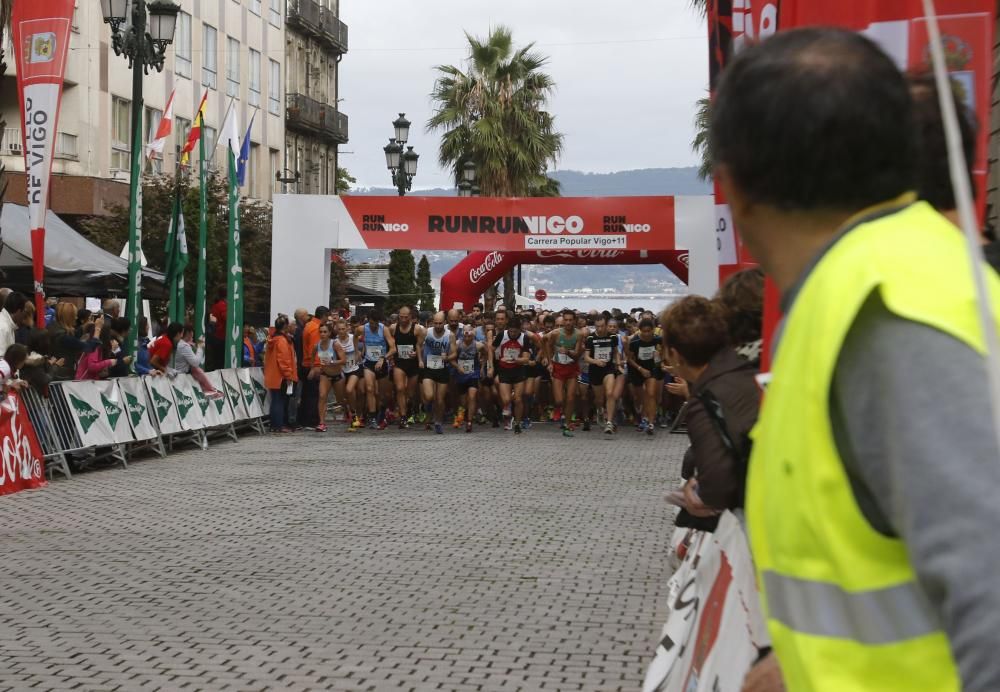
{"type": "Point", "coordinates": [647, 181]}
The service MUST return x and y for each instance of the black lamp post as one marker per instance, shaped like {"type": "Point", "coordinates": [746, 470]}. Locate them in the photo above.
{"type": "Point", "coordinates": [402, 165]}
{"type": "Point", "coordinates": [145, 46]}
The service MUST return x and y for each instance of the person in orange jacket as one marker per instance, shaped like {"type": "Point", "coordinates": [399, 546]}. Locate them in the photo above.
{"type": "Point", "coordinates": [307, 412]}
{"type": "Point", "coordinates": [280, 373]}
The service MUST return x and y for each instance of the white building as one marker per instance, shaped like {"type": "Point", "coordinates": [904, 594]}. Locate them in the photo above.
{"type": "Point", "coordinates": [234, 48]}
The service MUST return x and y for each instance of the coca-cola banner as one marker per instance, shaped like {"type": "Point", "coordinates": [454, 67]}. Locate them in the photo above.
{"type": "Point", "coordinates": [543, 223]}
{"type": "Point", "coordinates": [23, 463]}
{"type": "Point", "coordinates": [40, 30]}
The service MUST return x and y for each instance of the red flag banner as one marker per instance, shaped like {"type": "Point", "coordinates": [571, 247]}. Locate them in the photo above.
{"type": "Point", "coordinates": [22, 463]}
{"type": "Point", "coordinates": [41, 31]}
{"type": "Point", "coordinates": [496, 223]}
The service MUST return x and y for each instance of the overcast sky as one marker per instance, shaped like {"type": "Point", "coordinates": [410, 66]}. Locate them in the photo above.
{"type": "Point", "coordinates": [627, 74]}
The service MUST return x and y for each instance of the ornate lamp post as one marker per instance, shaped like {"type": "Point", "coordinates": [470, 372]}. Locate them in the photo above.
{"type": "Point", "coordinates": [402, 165]}
{"type": "Point", "coordinates": [144, 45]}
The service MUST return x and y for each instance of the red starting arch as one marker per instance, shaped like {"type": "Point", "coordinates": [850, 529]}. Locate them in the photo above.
{"type": "Point", "coordinates": [468, 280]}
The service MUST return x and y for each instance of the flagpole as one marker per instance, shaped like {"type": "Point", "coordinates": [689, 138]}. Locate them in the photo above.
{"type": "Point", "coordinates": [199, 289]}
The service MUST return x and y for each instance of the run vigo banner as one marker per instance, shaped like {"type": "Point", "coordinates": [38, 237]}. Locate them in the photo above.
{"type": "Point", "coordinates": [22, 462]}
{"type": "Point", "coordinates": [714, 623]}
{"type": "Point", "coordinates": [484, 223]}
{"type": "Point", "coordinates": [40, 31]}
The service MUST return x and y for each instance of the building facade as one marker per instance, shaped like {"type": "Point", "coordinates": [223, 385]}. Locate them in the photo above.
{"type": "Point", "coordinates": [315, 43]}
{"type": "Point", "coordinates": [234, 49]}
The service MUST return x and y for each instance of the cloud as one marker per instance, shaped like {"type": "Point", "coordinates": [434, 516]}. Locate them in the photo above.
{"type": "Point", "coordinates": [627, 74]}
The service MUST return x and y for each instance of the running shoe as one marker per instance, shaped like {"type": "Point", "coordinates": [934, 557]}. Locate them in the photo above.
{"type": "Point", "coordinates": [526, 424]}
{"type": "Point", "coordinates": [383, 424]}
{"type": "Point", "coordinates": [321, 427]}
{"type": "Point", "coordinates": [586, 425]}
{"type": "Point", "coordinates": [410, 421]}
{"type": "Point", "coordinates": [567, 432]}
{"type": "Point", "coordinates": [609, 428]}
{"type": "Point", "coordinates": [643, 425]}
{"type": "Point", "coordinates": [554, 413]}
{"type": "Point", "coordinates": [517, 429]}
{"type": "Point", "coordinates": [372, 423]}
{"type": "Point", "coordinates": [402, 424]}
{"type": "Point", "coordinates": [356, 424]}
{"type": "Point", "coordinates": [438, 429]}
{"type": "Point", "coordinates": [508, 423]}
{"type": "Point", "coordinates": [650, 431]}
{"type": "Point", "coordinates": [468, 427]}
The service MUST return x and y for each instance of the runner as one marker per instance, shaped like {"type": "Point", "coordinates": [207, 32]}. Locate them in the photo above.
{"type": "Point", "coordinates": [407, 334]}
{"type": "Point", "coordinates": [533, 371]}
{"type": "Point", "coordinates": [619, 393]}
{"type": "Point", "coordinates": [379, 351]}
{"type": "Point", "coordinates": [602, 355]}
{"type": "Point", "coordinates": [564, 347]}
{"type": "Point", "coordinates": [437, 350]}
{"type": "Point", "coordinates": [328, 360]}
{"type": "Point", "coordinates": [512, 351]}
{"type": "Point", "coordinates": [353, 375]}
{"type": "Point", "coordinates": [644, 372]}
{"type": "Point", "coordinates": [468, 367]}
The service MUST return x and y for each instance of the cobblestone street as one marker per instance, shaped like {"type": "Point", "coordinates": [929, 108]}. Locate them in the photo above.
{"type": "Point", "coordinates": [372, 561]}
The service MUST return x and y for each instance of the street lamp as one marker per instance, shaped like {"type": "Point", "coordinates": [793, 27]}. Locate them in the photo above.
{"type": "Point", "coordinates": [403, 166]}
{"type": "Point", "coordinates": [144, 49]}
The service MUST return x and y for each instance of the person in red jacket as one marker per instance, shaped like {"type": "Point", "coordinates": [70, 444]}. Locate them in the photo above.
{"type": "Point", "coordinates": [280, 373]}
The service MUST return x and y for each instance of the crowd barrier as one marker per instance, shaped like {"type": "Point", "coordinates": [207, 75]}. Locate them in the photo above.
{"type": "Point", "coordinates": [117, 418]}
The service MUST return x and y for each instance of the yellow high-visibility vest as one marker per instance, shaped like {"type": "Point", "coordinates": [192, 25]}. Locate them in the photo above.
{"type": "Point", "coordinates": [843, 605]}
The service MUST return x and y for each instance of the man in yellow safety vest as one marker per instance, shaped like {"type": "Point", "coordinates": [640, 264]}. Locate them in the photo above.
{"type": "Point", "coordinates": [873, 498]}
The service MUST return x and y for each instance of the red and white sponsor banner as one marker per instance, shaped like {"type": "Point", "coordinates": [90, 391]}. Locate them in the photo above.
{"type": "Point", "coordinates": [22, 462]}
{"type": "Point", "coordinates": [511, 224]}
{"type": "Point", "coordinates": [41, 31]}
{"type": "Point", "coordinates": [714, 627]}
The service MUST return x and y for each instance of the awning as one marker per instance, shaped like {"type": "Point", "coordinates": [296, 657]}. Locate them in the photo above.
{"type": "Point", "coordinates": [73, 265]}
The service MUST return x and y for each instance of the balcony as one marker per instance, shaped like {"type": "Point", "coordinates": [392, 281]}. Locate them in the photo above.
{"type": "Point", "coordinates": [310, 18]}
{"type": "Point", "coordinates": [303, 114]}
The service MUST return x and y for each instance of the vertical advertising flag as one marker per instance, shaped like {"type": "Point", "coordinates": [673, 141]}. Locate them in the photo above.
{"type": "Point", "coordinates": [230, 136]}
{"type": "Point", "coordinates": [40, 30]}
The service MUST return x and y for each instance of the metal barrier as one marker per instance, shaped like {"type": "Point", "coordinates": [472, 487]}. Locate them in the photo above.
{"type": "Point", "coordinates": [88, 421]}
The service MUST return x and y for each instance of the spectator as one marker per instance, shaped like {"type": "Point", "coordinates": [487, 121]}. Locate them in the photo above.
{"type": "Point", "coordinates": [742, 297]}
{"type": "Point", "coordinates": [112, 310]}
{"type": "Point", "coordinates": [67, 346]}
{"type": "Point", "coordinates": [215, 332]}
{"type": "Point", "coordinates": [189, 360]}
{"type": "Point", "coordinates": [11, 317]}
{"type": "Point", "coordinates": [96, 364]}
{"type": "Point", "coordinates": [142, 364]}
{"type": "Point", "coordinates": [252, 348]}
{"type": "Point", "coordinates": [26, 325]}
{"type": "Point", "coordinates": [722, 410]}
{"type": "Point", "coordinates": [296, 331]}
{"type": "Point", "coordinates": [50, 310]}
{"type": "Point", "coordinates": [310, 387]}
{"type": "Point", "coordinates": [120, 328]}
{"type": "Point", "coordinates": [162, 349]}
{"type": "Point", "coordinates": [83, 316]}
{"type": "Point", "coordinates": [13, 360]}
{"type": "Point", "coordinates": [280, 373]}
{"type": "Point", "coordinates": [39, 366]}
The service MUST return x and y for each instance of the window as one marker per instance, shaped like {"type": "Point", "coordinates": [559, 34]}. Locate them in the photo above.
{"type": "Point", "coordinates": [275, 17]}
{"type": "Point", "coordinates": [251, 178]}
{"type": "Point", "coordinates": [182, 127]}
{"type": "Point", "coordinates": [182, 45]}
{"type": "Point", "coordinates": [255, 7]}
{"type": "Point", "coordinates": [210, 58]}
{"type": "Point", "coordinates": [232, 67]}
{"type": "Point", "coordinates": [274, 88]}
{"type": "Point", "coordinates": [275, 170]}
{"type": "Point", "coordinates": [211, 140]}
{"type": "Point", "coordinates": [150, 124]}
{"type": "Point", "coordinates": [254, 96]}
{"type": "Point", "coordinates": [121, 116]}
{"type": "Point", "coordinates": [66, 146]}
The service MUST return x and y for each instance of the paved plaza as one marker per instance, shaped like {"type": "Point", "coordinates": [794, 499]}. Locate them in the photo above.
{"type": "Point", "coordinates": [368, 561]}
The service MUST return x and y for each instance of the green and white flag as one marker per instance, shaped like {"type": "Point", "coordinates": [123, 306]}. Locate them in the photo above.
{"type": "Point", "coordinates": [229, 137]}
{"type": "Point", "coordinates": [176, 262]}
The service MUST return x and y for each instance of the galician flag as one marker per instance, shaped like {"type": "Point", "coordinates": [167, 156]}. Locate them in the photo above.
{"type": "Point", "coordinates": [159, 139]}
{"type": "Point", "coordinates": [229, 136]}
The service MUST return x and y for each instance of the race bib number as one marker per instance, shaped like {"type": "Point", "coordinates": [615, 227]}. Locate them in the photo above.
{"type": "Point", "coordinates": [647, 352]}
{"type": "Point", "coordinates": [350, 363]}
{"type": "Point", "coordinates": [602, 353]}
{"type": "Point", "coordinates": [405, 351]}
{"type": "Point", "coordinates": [435, 362]}
{"type": "Point", "coordinates": [374, 352]}
{"type": "Point", "coordinates": [563, 358]}
{"type": "Point", "coordinates": [324, 358]}
{"type": "Point", "coordinates": [510, 355]}
{"type": "Point", "coordinates": [466, 366]}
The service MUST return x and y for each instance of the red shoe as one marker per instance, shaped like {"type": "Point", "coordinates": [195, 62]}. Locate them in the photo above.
{"type": "Point", "coordinates": [321, 427]}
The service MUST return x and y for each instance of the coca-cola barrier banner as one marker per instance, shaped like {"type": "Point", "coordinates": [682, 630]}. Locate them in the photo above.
{"type": "Point", "coordinates": [22, 463]}
{"type": "Point", "coordinates": [514, 224]}
{"type": "Point", "coordinates": [40, 30]}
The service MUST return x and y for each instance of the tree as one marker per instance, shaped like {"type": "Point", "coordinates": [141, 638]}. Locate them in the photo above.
{"type": "Point", "coordinates": [344, 181]}
{"type": "Point", "coordinates": [700, 144]}
{"type": "Point", "coordinates": [424, 289]}
{"type": "Point", "coordinates": [493, 113]}
{"type": "Point", "coordinates": [402, 285]}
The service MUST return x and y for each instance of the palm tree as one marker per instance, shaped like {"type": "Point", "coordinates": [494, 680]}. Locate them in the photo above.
{"type": "Point", "coordinates": [493, 113]}
{"type": "Point", "coordinates": [702, 119]}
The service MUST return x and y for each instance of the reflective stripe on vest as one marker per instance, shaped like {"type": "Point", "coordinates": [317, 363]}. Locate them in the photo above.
{"type": "Point", "coordinates": [879, 616]}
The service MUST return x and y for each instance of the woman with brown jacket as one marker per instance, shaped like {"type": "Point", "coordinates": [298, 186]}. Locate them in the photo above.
{"type": "Point", "coordinates": [280, 373]}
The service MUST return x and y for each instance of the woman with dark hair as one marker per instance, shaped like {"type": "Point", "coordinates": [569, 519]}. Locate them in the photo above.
{"type": "Point", "coordinates": [742, 297]}
{"type": "Point", "coordinates": [723, 408]}
{"type": "Point", "coordinates": [39, 366]}
{"type": "Point", "coordinates": [96, 364]}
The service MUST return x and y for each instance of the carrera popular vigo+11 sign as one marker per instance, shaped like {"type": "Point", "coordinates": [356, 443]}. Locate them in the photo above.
{"type": "Point", "coordinates": [507, 224]}
{"type": "Point", "coordinates": [41, 31]}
